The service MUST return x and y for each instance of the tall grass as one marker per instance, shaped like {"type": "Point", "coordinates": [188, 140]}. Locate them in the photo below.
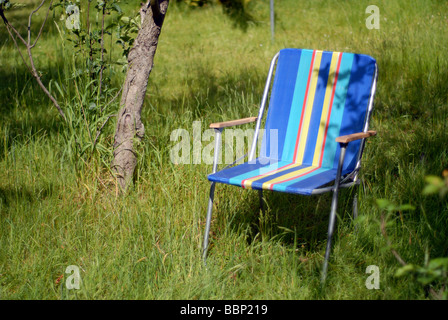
{"type": "Point", "coordinates": [147, 244]}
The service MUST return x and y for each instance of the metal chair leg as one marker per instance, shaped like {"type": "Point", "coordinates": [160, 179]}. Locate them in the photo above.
{"type": "Point", "coordinates": [331, 224]}
{"type": "Point", "coordinates": [212, 194]}
{"type": "Point", "coordinates": [334, 205]}
{"type": "Point", "coordinates": [208, 221]}
{"type": "Point", "coordinates": [355, 210]}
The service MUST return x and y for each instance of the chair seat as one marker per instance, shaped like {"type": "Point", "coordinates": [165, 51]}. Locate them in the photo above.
{"type": "Point", "coordinates": [282, 176]}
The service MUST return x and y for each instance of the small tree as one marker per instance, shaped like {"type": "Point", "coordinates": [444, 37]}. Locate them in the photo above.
{"type": "Point", "coordinates": [140, 57]}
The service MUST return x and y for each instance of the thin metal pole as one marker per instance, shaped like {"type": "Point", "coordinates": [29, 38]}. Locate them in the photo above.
{"type": "Point", "coordinates": [208, 222]}
{"type": "Point", "coordinates": [367, 121]}
{"type": "Point", "coordinates": [212, 193]}
{"type": "Point", "coordinates": [217, 147]}
{"type": "Point", "coordinates": [355, 208]}
{"type": "Point", "coordinates": [262, 106]}
{"type": "Point", "coordinates": [334, 204]}
{"type": "Point", "coordinates": [272, 20]}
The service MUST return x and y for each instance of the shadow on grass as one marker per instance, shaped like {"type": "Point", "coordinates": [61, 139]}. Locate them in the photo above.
{"type": "Point", "coordinates": [18, 18]}
{"type": "Point", "coordinates": [9, 196]}
{"type": "Point", "coordinates": [208, 93]}
{"type": "Point", "coordinates": [26, 108]}
{"type": "Point", "coordinates": [294, 220]}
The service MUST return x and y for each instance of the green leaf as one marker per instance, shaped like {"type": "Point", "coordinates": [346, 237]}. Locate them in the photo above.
{"type": "Point", "coordinates": [435, 180]}
{"type": "Point", "coordinates": [437, 263]}
{"type": "Point", "coordinates": [111, 25]}
{"type": "Point", "coordinates": [116, 8]}
{"type": "Point", "coordinates": [383, 203]}
{"type": "Point", "coordinates": [405, 207]}
{"type": "Point", "coordinates": [425, 280]}
{"type": "Point", "coordinates": [125, 20]}
{"type": "Point", "coordinates": [287, 230]}
{"type": "Point", "coordinates": [430, 189]}
{"type": "Point", "coordinates": [59, 88]}
{"type": "Point", "coordinates": [406, 270]}
{"type": "Point", "coordinates": [360, 219]}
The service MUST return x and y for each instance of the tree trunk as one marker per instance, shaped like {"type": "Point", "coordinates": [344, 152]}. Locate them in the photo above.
{"type": "Point", "coordinates": [140, 59]}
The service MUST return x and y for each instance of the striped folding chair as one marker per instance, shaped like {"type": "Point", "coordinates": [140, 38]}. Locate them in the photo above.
{"type": "Point", "coordinates": [315, 130]}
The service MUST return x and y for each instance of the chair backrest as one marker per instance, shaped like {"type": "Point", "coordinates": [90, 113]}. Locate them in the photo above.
{"type": "Point", "coordinates": [317, 96]}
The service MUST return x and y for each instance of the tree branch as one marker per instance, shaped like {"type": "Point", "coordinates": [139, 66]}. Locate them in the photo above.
{"type": "Point", "coordinates": [42, 26]}
{"type": "Point", "coordinates": [102, 51]}
{"type": "Point", "coordinates": [8, 28]}
{"type": "Point", "coordinates": [31, 15]}
{"type": "Point", "coordinates": [32, 67]}
{"type": "Point", "coordinates": [11, 27]}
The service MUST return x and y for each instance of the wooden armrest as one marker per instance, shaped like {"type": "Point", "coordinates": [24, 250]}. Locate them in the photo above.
{"type": "Point", "coordinates": [224, 124]}
{"type": "Point", "coordinates": [355, 136]}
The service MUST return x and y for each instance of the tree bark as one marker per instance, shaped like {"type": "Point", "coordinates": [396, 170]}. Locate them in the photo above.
{"type": "Point", "coordinates": [140, 62]}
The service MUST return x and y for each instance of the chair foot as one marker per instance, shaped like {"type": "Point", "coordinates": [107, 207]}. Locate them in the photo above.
{"type": "Point", "coordinates": [208, 222]}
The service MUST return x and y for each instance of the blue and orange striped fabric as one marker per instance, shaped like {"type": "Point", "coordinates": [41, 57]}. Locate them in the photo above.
{"type": "Point", "coordinates": [316, 96]}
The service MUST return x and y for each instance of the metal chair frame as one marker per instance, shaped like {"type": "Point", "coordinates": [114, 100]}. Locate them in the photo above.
{"type": "Point", "coordinates": [340, 182]}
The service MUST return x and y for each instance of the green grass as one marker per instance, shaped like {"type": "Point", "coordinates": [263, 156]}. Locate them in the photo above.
{"type": "Point", "coordinates": [147, 245]}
